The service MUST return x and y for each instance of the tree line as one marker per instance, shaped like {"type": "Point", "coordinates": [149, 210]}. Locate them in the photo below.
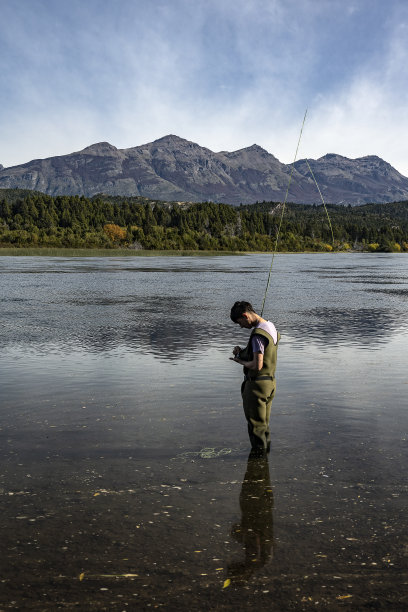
{"type": "Point", "coordinates": [30, 219]}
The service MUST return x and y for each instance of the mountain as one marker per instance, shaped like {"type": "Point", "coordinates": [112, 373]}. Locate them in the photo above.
{"type": "Point", "coordinates": [355, 181]}
{"type": "Point", "coordinates": [175, 169]}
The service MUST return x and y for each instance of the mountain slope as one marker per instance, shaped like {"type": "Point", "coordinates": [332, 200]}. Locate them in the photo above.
{"type": "Point", "coordinates": [172, 168]}
{"type": "Point", "coordinates": [365, 179]}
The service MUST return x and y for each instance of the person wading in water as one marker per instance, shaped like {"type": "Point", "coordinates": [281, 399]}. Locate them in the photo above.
{"type": "Point", "coordinates": [259, 361]}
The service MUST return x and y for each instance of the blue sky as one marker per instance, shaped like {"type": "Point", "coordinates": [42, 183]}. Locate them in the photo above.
{"type": "Point", "coordinates": [225, 74]}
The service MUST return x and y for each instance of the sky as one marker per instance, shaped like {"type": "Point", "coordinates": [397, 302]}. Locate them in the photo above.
{"type": "Point", "coordinates": [225, 74]}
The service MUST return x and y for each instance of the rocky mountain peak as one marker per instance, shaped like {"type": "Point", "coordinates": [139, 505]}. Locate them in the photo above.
{"type": "Point", "coordinates": [257, 150]}
{"type": "Point", "coordinates": [374, 158]}
{"type": "Point", "coordinates": [171, 139]}
{"type": "Point", "coordinates": [374, 161]}
{"type": "Point", "coordinates": [332, 158]}
{"type": "Point", "coordinates": [254, 152]}
{"type": "Point", "coordinates": [174, 169]}
{"type": "Point", "coordinates": [174, 143]}
{"type": "Point", "coordinates": [99, 148]}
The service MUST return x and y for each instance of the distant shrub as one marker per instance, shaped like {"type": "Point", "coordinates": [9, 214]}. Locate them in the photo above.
{"type": "Point", "coordinates": [373, 246]}
{"type": "Point", "coordinates": [114, 232]}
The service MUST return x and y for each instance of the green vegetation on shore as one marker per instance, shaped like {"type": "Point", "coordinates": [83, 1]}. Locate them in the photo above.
{"type": "Point", "coordinates": [33, 219]}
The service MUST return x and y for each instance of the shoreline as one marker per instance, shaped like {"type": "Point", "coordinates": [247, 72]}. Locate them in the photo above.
{"type": "Point", "coordinates": [80, 252]}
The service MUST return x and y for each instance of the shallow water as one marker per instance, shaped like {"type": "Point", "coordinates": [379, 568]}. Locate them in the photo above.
{"type": "Point", "coordinates": [125, 478]}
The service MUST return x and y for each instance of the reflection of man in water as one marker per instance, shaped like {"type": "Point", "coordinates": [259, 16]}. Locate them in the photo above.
{"type": "Point", "coordinates": [259, 361]}
{"type": "Point", "coordinates": [255, 531]}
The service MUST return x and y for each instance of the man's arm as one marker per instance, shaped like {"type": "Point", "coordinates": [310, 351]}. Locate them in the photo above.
{"type": "Point", "coordinates": [255, 364]}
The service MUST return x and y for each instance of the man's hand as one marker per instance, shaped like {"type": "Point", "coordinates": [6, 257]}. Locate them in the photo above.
{"type": "Point", "coordinates": [255, 364]}
{"type": "Point", "coordinates": [236, 350]}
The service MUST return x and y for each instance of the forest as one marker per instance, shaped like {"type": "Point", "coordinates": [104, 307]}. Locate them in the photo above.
{"type": "Point", "coordinates": [34, 219]}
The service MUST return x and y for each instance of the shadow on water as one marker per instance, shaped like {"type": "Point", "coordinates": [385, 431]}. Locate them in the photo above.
{"type": "Point", "coordinates": [162, 325]}
{"type": "Point", "coordinates": [399, 292]}
{"type": "Point", "coordinates": [167, 327]}
{"type": "Point", "coordinates": [339, 326]}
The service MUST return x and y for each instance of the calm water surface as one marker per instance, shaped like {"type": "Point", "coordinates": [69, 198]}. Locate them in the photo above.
{"type": "Point", "coordinates": [125, 482]}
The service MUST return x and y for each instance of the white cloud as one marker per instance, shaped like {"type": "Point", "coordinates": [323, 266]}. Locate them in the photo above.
{"type": "Point", "coordinates": [370, 115]}
{"type": "Point", "coordinates": [225, 75]}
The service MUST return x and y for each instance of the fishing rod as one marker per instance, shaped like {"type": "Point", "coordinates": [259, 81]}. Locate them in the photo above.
{"type": "Point", "coordinates": [281, 218]}
{"type": "Point", "coordinates": [283, 210]}
{"type": "Point", "coordinates": [318, 189]}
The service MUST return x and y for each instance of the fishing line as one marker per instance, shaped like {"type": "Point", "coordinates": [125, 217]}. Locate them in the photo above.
{"type": "Point", "coordinates": [318, 189]}
{"type": "Point", "coordinates": [283, 210]}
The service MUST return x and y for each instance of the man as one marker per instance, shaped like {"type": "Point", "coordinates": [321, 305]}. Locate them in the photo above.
{"type": "Point", "coordinates": [259, 361]}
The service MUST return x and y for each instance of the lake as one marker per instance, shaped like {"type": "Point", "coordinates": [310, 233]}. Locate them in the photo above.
{"type": "Point", "coordinates": [125, 477]}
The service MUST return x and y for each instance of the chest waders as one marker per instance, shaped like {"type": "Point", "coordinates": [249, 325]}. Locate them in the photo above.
{"type": "Point", "coordinates": [258, 390]}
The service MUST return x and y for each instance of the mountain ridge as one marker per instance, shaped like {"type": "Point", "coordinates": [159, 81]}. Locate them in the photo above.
{"type": "Point", "coordinates": [173, 168]}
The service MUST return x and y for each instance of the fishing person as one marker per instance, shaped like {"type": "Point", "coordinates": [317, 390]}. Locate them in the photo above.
{"type": "Point", "coordinates": [259, 362]}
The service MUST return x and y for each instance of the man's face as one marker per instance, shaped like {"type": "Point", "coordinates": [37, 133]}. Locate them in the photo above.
{"type": "Point", "coordinates": [243, 321]}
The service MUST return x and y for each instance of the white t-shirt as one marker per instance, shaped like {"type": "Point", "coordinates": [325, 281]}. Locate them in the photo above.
{"type": "Point", "coordinates": [259, 342]}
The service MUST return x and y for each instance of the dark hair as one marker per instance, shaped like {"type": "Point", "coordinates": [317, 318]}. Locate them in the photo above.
{"type": "Point", "coordinates": [238, 310]}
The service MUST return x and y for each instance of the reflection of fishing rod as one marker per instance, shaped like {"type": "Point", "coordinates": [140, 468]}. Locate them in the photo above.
{"type": "Point", "coordinates": [283, 210]}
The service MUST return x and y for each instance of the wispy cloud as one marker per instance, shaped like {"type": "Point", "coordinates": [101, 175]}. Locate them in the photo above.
{"type": "Point", "coordinates": [224, 74]}
{"type": "Point", "coordinates": [368, 114]}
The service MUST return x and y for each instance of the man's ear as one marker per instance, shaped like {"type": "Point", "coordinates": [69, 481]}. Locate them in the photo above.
{"type": "Point", "coordinates": [245, 316]}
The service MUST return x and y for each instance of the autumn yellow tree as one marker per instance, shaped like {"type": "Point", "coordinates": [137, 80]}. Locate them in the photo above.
{"type": "Point", "coordinates": [115, 233]}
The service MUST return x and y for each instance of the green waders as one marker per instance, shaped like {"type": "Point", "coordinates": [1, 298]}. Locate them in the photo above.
{"type": "Point", "coordinates": [258, 390]}
{"type": "Point", "coordinates": [257, 399]}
